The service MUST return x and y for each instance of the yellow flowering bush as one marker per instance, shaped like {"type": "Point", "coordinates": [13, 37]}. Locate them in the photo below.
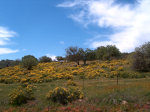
{"type": "Point", "coordinates": [74, 94]}
{"type": "Point", "coordinates": [59, 95]}
{"type": "Point", "coordinates": [64, 95]}
{"type": "Point", "coordinates": [21, 95]}
{"type": "Point", "coordinates": [112, 68]}
{"type": "Point", "coordinates": [120, 68]}
{"type": "Point", "coordinates": [47, 72]}
{"type": "Point", "coordinates": [71, 83]}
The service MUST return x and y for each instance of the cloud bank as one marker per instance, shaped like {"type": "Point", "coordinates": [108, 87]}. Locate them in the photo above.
{"type": "Point", "coordinates": [53, 57]}
{"type": "Point", "coordinates": [7, 51]}
{"type": "Point", "coordinates": [130, 22]}
{"type": "Point", "coordinates": [5, 36]}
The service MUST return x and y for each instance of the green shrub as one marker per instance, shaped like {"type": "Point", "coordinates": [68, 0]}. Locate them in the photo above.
{"type": "Point", "coordinates": [29, 61]}
{"type": "Point", "coordinates": [64, 95]}
{"type": "Point", "coordinates": [21, 95]}
{"type": "Point", "coordinates": [137, 75]}
{"type": "Point", "coordinates": [45, 59]}
{"type": "Point", "coordinates": [141, 58]}
{"type": "Point", "coordinates": [125, 74]}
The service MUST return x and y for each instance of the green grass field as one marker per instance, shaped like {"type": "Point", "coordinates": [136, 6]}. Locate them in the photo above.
{"type": "Point", "coordinates": [101, 95]}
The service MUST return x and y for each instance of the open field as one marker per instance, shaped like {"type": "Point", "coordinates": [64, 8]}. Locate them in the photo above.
{"type": "Point", "coordinates": [101, 94]}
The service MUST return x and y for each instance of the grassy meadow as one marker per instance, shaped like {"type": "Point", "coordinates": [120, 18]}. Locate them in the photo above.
{"type": "Point", "coordinates": [97, 80]}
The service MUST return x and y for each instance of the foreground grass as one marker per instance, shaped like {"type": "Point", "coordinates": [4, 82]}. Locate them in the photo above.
{"type": "Point", "coordinates": [100, 95]}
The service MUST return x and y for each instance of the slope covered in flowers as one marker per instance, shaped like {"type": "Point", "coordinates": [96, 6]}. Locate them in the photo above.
{"type": "Point", "coordinates": [46, 72]}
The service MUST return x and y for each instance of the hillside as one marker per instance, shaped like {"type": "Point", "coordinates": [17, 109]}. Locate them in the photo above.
{"type": "Point", "coordinates": [47, 72]}
{"type": "Point", "coordinates": [106, 86]}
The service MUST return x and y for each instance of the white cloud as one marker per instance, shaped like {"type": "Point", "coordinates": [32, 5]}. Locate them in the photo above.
{"type": "Point", "coordinates": [5, 35]}
{"type": "Point", "coordinates": [67, 4]}
{"type": "Point", "coordinates": [131, 24]}
{"type": "Point", "coordinates": [7, 51]}
{"type": "Point", "coordinates": [53, 57]}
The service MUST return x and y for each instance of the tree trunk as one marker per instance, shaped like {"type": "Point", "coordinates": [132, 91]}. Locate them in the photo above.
{"type": "Point", "coordinates": [84, 62]}
{"type": "Point", "coordinates": [117, 79]}
{"type": "Point", "coordinates": [78, 63]}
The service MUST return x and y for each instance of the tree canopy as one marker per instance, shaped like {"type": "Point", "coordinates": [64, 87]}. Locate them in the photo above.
{"type": "Point", "coordinates": [107, 53]}
{"type": "Point", "coordinates": [141, 58]}
{"type": "Point", "coordinates": [29, 61]}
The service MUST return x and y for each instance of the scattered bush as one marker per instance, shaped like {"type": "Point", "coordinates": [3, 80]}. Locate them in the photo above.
{"type": "Point", "coordinates": [64, 95]}
{"type": "Point", "coordinates": [59, 95]}
{"type": "Point", "coordinates": [21, 95]}
{"type": "Point", "coordinates": [75, 93]}
{"type": "Point", "coordinates": [47, 72]}
{"type": "Point", "coordinates": [71, 83]}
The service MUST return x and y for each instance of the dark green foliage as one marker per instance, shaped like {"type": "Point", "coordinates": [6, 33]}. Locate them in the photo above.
{"type": "Point", "coordinates": [29, 61]}
{"type": "Point", "coordinates": [90, 54]}
{"type": "Point", "coordinates": [102, 53]}
{"type": "Point", "coordinates": [87, 55]}
{"type": "Point", "coordinates": [60, 58]}
{"type": "Point", "coordinates": [107, 53]}
{"type": "Point", "coordinates": [45, 59]}
{"type": "Point", "coordinates": [73, 54]}
{"type": "Point", "coordinates": [76, 54]}
{"type": "Point", "coordinates": [125, 55]}
{"type": "Point", "coordinates": [7, 63]}
{"type": "Point", "coordinates": [83, 55]}
{"type": "Point", "coordinates": [141, 58]}
{"type": "Point", "coordinates": [125, 74]}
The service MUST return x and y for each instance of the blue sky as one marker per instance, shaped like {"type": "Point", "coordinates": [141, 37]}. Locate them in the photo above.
{"type": "Point", "coordinates": [48, 27]}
